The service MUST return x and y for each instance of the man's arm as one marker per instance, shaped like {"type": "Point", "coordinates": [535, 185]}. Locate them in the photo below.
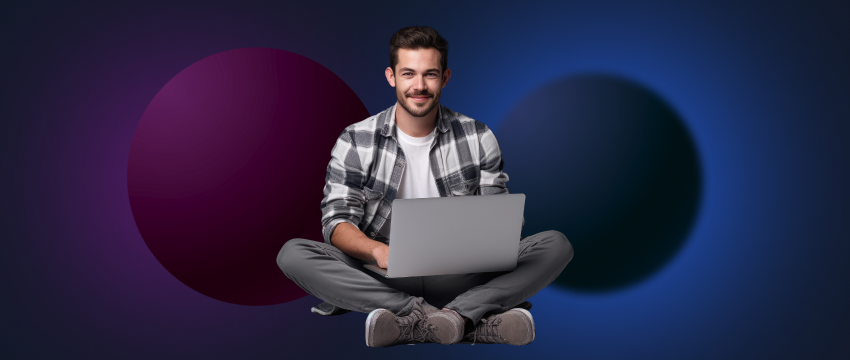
{"type": "Point", "coordinates": [356, 244]}
{"type": "Point", "coordinates": [342, 206]}
{"type": "Point", "coordinates": [493, 179]}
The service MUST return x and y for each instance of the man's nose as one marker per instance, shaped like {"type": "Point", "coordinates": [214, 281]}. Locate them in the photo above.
{"type": "Point", "coordinates": [419, 83]}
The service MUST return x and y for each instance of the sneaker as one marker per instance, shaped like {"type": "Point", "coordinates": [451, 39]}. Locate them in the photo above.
{"type": "Point", "coordinates": [327, 309]}
{"type": "Point", "coordinates": [513, 327]}
{"type": "Point", "coordinates": [383, 328]}
{"type": "Point", "coordinates": [447, 326]}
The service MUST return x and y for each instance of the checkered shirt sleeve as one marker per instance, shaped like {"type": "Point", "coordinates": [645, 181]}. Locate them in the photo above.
{"type": "Point", "coordinates": [344, 198]}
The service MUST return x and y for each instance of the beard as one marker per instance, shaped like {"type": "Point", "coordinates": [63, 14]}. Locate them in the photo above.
{"type": "Point", "coordinates": [418, 110]}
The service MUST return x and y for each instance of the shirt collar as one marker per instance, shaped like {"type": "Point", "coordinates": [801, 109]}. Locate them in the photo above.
{"type": "Point", "coordinates": [444, 118]}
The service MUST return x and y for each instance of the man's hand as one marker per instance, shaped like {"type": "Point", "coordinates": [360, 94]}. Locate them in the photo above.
{"type": "Point", "coordinates": [381, 254]}
{"type": "Point", "coordinates": [354, 243]}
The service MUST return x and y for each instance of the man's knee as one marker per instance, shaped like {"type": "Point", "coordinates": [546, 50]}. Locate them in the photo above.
{"type": "Point", "coordinates": [289, 255]}
{"type": "Point", "coordinates": [560, 245]}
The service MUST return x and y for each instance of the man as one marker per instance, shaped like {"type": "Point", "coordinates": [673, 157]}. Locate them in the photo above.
{"type": "Point", "coordinates": [417, 148]}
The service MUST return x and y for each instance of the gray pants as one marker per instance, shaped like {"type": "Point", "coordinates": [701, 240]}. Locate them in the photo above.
{"type": "Point", "coordinates": [327, 273]}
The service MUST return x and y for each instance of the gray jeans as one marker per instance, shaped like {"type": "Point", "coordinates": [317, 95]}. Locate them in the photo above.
{"type": "Point", "coordinates": [327, 273]}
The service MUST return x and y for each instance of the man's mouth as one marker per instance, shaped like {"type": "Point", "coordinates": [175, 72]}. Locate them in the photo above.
{"type": "Point", "coordinates": [419, 97]}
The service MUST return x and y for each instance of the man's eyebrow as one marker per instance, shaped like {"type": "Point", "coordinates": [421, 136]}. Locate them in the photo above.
{"type": "Point", "coordinates": [404, 69]}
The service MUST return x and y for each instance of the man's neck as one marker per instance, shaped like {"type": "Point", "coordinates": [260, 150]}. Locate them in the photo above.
{"type": "Point", "coordinates": [416, 126]}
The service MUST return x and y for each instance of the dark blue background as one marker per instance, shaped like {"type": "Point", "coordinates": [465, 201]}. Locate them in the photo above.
{"type": "Point", "coordinates": [762, 87]}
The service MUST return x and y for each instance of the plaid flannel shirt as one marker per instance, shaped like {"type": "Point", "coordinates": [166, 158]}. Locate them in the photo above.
{"type": "Point", "coordinates": [367, 162]}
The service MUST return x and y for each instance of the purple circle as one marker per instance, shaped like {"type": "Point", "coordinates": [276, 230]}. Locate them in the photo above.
{"type": "Point", "coordinates": [228, 163]}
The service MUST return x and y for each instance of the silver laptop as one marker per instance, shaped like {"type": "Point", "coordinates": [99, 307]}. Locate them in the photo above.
{"type": "Point", "coordinates": [454, 235]}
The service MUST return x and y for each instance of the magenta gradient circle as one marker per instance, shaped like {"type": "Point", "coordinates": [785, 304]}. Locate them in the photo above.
{"type": "Point", "coordinates": [228, 163]}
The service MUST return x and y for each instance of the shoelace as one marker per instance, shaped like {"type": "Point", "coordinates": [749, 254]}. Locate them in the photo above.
{"type": "Point", "coordinates": [487, 331]}
{"type": "Point", "coordinates": [415, 328]}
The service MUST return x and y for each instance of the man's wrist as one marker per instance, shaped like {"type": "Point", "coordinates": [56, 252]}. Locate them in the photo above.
{"type": "Point", "coordinates": [377, 251]}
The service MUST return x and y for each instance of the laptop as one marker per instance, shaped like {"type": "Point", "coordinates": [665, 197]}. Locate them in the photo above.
{"type": "Point", "coordinates": [453, 235]}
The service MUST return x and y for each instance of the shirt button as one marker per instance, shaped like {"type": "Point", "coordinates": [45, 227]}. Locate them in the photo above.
{"type": "Point", "coordinates": [372, 233]}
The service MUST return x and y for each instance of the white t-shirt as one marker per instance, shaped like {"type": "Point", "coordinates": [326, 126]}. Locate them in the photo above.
{"type": "Point", "coordinates": [417, 180]}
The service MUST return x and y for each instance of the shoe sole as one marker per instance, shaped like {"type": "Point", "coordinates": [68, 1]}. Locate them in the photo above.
{"type": "Point", "coordinates": [370, 326]}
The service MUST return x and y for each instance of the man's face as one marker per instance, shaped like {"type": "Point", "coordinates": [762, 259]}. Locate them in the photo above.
{"type": "Point", "coordinates": [418, 80]}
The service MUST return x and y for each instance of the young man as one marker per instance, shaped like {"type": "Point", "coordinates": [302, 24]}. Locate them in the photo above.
{"type": "Point", "coordinates": [417, 148]}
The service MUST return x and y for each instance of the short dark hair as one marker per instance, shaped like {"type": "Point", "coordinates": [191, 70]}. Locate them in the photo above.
{"type": "Point", "coordinates": [416, 37]}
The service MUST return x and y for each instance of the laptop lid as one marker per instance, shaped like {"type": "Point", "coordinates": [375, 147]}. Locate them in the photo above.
{"type": "Point", "coordinates": [455, 235]}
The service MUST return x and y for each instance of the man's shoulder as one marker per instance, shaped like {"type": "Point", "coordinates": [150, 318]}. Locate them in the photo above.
{"type": "Point", "coordinates": [364, 133]}
{"type": "Point", "coordinates": [372, 123]}
{"type": "Point", "coordinates": [458, 120]}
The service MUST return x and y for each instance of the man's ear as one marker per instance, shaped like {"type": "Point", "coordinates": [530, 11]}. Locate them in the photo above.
{"type": "Point", "coordinates": [446, 75]}
{"type": "Point", "coordinates": [390, 76]}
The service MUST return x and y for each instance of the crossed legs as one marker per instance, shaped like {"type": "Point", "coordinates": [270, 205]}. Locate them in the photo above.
{"type": "Point", "coordinates": [327, 273]}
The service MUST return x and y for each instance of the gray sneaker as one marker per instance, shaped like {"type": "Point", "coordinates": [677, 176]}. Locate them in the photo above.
{"type": "Point", "coordinates": [327, 309]}
{"type": "Point", "coordinates": [513, 327]}
{"type": "Point", "coordinates": [383, 328]}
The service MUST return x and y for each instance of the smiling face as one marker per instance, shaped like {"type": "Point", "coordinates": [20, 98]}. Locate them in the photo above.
{"type": "Point", "coordinates": [418, 80]}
